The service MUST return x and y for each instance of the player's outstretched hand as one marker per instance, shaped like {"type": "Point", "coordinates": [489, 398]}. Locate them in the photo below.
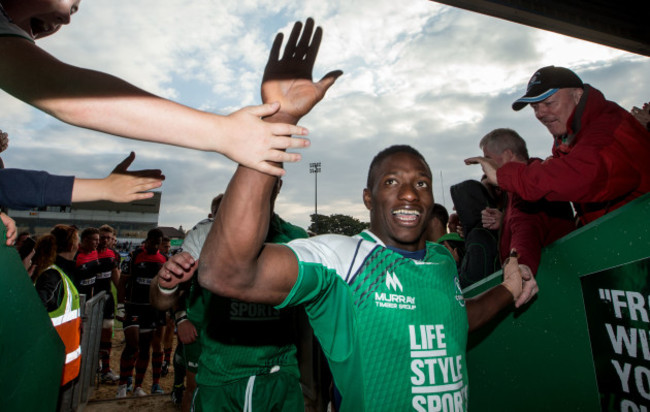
{"type": "Point", "coordinates": [288, 79]}
{"type": "Point", "coordinates": [512, 277]}
{"type": "Point", "coordinates": [530, 287]}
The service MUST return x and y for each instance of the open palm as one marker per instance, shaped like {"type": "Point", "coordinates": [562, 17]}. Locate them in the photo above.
{"type": "Point", "coordinates": [288, 80]}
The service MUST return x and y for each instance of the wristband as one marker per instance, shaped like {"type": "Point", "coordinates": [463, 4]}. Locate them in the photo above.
{"type": "Point", "coordinates": [180, 316]}
{"type": "Point", "coordinates": [167, 291]}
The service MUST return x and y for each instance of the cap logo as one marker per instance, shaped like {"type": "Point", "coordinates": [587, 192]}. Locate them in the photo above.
{"type": "Point", "coordinates": [535, 80]}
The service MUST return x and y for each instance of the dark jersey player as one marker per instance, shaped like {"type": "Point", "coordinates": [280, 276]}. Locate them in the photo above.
{"type": "Point", "coordinates": [141, 320]}
{"type": "Point", "coordinates": [108, 273]}
{"type": "Point", "coordinates": [86, 263]}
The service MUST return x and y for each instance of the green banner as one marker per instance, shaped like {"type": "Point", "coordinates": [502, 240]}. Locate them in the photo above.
{"type": "Point", "coordinates": [556, 353]}
{"type": "Point", "coordinates": [617, 303]}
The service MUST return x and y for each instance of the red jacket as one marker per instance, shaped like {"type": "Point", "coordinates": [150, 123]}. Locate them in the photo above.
{"type": "Point", "coordinates": [529, 226]}
{"type": "Point", "coordinates": [605, 165]}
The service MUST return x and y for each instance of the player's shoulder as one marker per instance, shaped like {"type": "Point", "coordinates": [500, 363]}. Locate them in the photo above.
{"type": "Point", "coordinates": [332, 250]}
{"type": "Point", "coordinates": [207, 222]}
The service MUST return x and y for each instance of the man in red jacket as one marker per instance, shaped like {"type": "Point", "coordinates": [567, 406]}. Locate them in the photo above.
{"type": "Point", "coordinates": [526, 226]}
{"type": "Point", "coordinates": [600, 151]}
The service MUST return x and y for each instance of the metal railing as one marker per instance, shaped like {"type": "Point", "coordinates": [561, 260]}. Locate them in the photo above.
{"type": "Point", "coordinates": [92, 314]}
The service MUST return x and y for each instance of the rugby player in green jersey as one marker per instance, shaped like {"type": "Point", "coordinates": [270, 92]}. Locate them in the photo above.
{"type": "Point", "coordinates": [385, 305]}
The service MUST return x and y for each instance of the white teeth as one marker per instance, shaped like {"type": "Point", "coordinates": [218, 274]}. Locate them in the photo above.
{"type": "Point", "coordinates": [406, 212]}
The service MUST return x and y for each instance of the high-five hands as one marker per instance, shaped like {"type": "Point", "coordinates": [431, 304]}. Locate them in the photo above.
{"type": "Point", "coordinates": [288, 80]}
{"type": "Point", "coordinates": [519, 280]}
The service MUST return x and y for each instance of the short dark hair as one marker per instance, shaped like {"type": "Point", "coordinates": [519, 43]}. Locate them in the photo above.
{"type": "Point", "coordinates": [500, 140]}
{"type": "Point", "coordinates": [440, 212]}
{"type": "Point", "coordinates": [89, 231]}
{"type": "Point", "coordinates": [155, 233]}
{"type": "Point", "coordinates": [389, 151]}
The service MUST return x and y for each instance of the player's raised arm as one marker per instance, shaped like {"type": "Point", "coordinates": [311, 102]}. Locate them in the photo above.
{"type": "Point", "coordinates": [234, 261]}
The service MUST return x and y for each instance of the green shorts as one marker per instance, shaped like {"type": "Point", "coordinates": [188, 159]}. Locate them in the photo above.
{"type": "Point", "coordinates": [191, 354]}
{"type": "Point", "coordinates": [276, 391]}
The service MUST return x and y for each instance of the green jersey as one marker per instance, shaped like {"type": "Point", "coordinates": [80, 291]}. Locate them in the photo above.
{"type": "Point", "coordinates": [394, 330]}
{"type": "Point", "coordinates": [241, 339]}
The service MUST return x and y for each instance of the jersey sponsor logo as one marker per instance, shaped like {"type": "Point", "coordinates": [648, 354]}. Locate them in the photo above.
{"type": "Point", "coordinates": [252, 311]}
{"type": "Point", "coordinates": [86, 282]}
{"type": "Point", "coordinates": [143, 281]}
{"type": "Point", "coordinates": [437, 382]}
{"type": "Point", "coordinates": [104, 275]}
{"type": "Point", "coordinates": [392, 282]}
{"type": "Point", "coordinates": [394, 300]}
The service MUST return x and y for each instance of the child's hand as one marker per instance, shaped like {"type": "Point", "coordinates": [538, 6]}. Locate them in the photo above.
{"type": "Point", "coordinates": [254, 143]}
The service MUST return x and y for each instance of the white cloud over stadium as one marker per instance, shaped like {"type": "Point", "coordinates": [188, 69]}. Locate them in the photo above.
{"type": "Point", "coordinates": [419, 73]}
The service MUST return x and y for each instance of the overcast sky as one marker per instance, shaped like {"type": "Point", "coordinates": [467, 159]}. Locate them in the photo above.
{"type": "Point", "coordinates": [415, 72]}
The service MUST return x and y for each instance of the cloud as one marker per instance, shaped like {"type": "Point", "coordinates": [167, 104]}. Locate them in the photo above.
{"type": "Point", "coordinates": [428, 75]}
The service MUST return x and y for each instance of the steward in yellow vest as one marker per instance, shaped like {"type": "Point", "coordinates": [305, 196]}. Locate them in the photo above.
{"type": "Point", "coordinates": [66, 319]}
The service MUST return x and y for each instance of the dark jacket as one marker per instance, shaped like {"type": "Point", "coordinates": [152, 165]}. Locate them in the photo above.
{"type": "Point", "coordinates": [481, 245]}
{"type": "Point", "coordinates": [529, 226]}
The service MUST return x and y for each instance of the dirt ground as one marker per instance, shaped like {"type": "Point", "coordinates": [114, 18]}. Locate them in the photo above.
{"type": "Point", "coordinates": [103, 397]}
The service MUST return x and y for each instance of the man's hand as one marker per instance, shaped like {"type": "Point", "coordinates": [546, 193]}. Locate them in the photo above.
{"type": "Point", "coordinates": [178, 269]}
{"type": "Point", "coordinates": [491, 218]}
{"type": "Point", "coordinates": [126, 186]}
{"type": "Point", "coordinates": [289, 80]}
{"type": "Point", "coordinates": [489, 167]}
{"type": "Point", "coordinates": [186, 331]}
{"type": "Point", "coordinates": [530, 287]}
{"type": "Point", "coordinates": [121, 186]}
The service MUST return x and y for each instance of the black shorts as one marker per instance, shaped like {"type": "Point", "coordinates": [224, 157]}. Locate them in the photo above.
{"type": "Point", "coordinates": [146, 317]}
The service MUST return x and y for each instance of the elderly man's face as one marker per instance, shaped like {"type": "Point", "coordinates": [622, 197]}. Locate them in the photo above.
{"type": "Point", "coordinates": [554, 112]}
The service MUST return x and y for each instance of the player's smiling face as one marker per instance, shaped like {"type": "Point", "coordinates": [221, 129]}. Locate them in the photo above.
{"type": "Point", "coordinates": [400, 201]}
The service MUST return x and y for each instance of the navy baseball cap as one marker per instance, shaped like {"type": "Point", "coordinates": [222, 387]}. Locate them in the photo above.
{"type": "Point", "coordinates": [545, 82]}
